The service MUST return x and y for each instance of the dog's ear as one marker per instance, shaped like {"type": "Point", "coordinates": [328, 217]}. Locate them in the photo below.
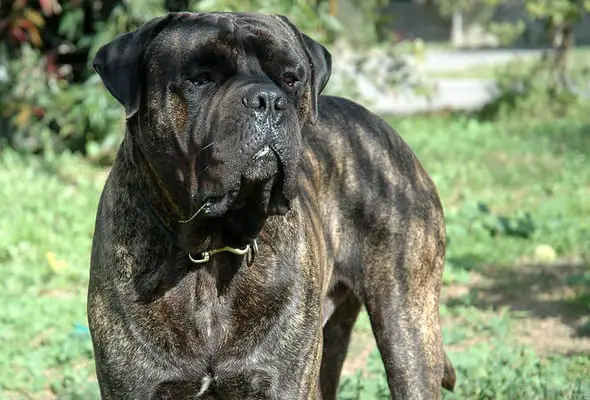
{"type": "Point", "coordinates": [119, 62]}
{"type": "Point", "coordinates": [320, 62]}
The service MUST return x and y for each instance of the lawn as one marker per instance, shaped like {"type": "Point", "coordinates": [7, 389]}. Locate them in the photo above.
{"type": "Point", "coordinates": [516, 302]}
{"type": "Point", "coordinates": [516, 317]}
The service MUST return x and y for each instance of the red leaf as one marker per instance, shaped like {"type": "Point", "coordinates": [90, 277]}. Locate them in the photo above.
{"type": "Point", "coordinates": [46, 6]}
{"type": "Point", "coordinates": [18, 34]}
{"type": "Point", "coordinates": [39, 112]}
{"type": "Point", "coordinates": [23, 23]}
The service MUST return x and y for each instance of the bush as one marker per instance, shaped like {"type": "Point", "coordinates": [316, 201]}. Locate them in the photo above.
{"type": "Point", "coordinates": [53, 101]}
{"type": "Point", "coordinates": [526, 90]}
{"type": "Point", "coordinates": [49, 114]}
{"type": "Point", "coordinates": [51, 98]}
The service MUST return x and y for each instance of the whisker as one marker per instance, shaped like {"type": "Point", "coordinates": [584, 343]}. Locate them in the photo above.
{"type": "Point", "coordinates": [194, 215]}
{"type": "Point", "coordinates": [207, 146]}
{"type": "Point", "coordinates": [203, 170]}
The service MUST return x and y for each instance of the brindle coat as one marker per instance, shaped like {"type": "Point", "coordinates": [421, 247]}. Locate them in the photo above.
{"type": "Point", "coordinates": [224, 117]}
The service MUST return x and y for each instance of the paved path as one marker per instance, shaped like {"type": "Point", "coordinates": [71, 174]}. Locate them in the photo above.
{"type": "Point", "coordinates": [455, 94]}
{"type": "Point", "coordinates": [456, 60]}
{"type": "Point", "coordinates": [460, 94]}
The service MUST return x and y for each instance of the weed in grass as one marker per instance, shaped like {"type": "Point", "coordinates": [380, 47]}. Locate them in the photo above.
{"type": "Point", "coordinates": [484, 172]}
{"type": "Point", "coordinates": [44, 250]}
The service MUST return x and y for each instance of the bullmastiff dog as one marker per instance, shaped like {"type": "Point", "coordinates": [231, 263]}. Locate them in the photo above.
{"type": "Point", "coordinates": [247, 219]}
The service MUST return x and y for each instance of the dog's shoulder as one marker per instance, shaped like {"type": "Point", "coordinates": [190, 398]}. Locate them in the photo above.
{"type": "Point", "coordinates": [341, 119]}
{"type": "Point", "coordinates": [357, 154]}
{"type": "Point", "coordinates": [347, 130]}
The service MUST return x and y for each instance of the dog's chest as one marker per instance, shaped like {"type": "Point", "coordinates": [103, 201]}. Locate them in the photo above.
{"type": "Point", "coordinates": [212, 309]}
{"type": "Point", "coordinates": [224, 352]}
{"type": "Point", "coordinates": [228, 306]}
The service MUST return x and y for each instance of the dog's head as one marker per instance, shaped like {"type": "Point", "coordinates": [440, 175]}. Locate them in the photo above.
{"type": "Point", "coordinates": [215, 103]}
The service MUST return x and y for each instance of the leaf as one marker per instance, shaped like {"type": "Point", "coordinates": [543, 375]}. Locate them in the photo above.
{"type": "Point", "coordinates": [35, 17]}
{"type": "Point", "coordinates": [56, 265]}
{"type": "Point", "coordinates": [35, 36]}
{"type": "Point", "coordinates": [23, 117]}
{"type": "Point", "coordinates": [49, 6]}
{"type": "Point", "coordinates": [71, 24]}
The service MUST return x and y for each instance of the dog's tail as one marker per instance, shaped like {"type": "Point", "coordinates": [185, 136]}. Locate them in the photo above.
{"type": "Point", "coordinates": [449, 377]}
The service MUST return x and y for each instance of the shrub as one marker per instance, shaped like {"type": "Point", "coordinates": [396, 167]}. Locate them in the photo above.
{"type": "Point", "coordinates": [50, 96]}
{"type": "Point", "coordinates": [526, 90]}
{"type": "Point", "coordinates": [53, 101]}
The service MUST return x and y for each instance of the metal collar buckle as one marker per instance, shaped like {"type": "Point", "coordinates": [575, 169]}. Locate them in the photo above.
{"type": "Point", "coordinates": [250, 250]}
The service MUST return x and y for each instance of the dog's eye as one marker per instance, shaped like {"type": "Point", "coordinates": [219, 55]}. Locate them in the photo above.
{"type": "Point", "coordinates": [290, 79]}
{"type": "Point", "coordinates": [202, 78]}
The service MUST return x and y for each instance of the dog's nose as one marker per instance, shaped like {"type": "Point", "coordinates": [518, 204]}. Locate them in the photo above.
{"type": "Point", "coordinates": [266, 100]}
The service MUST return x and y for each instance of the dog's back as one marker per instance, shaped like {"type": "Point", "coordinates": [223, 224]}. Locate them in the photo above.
{"type": "Point", "coordinates": [367, 177]}
{"type": "Point", "coordinates": [382, 217]}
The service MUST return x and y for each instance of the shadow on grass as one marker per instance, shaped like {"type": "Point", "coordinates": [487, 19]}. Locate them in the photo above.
{"type": "Point", "coordinates": [567, 138]}
{"type": "Point", "coordinates": [540, 290]}
{"type": "Point", "coordinates": [566, 133]}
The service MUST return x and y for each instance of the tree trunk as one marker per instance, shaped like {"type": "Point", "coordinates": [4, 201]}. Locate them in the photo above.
{"type": "Point", "coordinates": [562, 44]}
{"type": "Point", "coordinates": [457, 30]}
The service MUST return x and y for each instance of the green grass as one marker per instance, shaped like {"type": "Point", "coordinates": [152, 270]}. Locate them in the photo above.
{"type": "Point", "coordinates": [46, 222]}
{"type": "Point", "coordinates": [506, 190]}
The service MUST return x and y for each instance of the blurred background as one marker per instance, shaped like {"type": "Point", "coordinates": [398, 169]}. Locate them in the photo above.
{"type": "Point", "coordinates": [492, 95]}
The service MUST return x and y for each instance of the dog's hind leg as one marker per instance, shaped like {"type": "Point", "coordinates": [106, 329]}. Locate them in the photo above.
{"type": "Point", "coordinates": [401, 289]}
{"type": "Point", "coordinates": [337, 332]}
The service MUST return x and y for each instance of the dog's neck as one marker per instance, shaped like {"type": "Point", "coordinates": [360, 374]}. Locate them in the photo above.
{"type": "Point", "coordinates": [235, 230]}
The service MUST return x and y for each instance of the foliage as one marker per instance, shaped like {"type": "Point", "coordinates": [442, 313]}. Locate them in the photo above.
{"type": "Point", "coordinates": [560, 17]}
{"type": "Point", "coordinates": [525, 90]}
{"type": "Point", "coordinates": [51, 97]}
{"type": "Point", "coordinates": [551, 79]}
{"type": "Point", "coordinates": [482, 170]}
{"type": "Point", "coordinates": [49, 93]}
{"type": "Point", "coordinates": [366, 22]}
{"type": "Point", "coordinates": [483, 8]}
{"type": "Point", "coordinates": [482, 12]}
{"type": "Point", "coordinates": [555, 14]}
{"type": "Point", "coordinates": [360, 73]}
{"type": "Point", "coordinates": [312, 17]}
{"type": "Point", "coordinates": [51, 114]}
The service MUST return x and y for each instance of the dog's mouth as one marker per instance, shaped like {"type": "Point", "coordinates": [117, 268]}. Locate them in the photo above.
{"type": "Point", "coordinates": [264, 165]}
{"type": "Point", "coordinates": [260, 189]}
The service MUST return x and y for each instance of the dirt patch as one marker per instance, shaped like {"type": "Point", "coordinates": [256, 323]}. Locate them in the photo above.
{"type": "Point", "coordinates": [552, 315]}
{"type": "Point", "coordinates": [547, 313]}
